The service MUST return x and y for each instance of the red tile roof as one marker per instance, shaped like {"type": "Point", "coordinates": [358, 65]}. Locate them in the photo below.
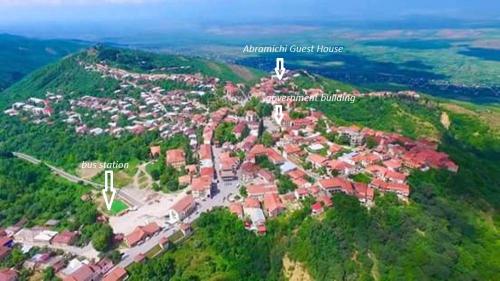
{"type": "Point", "coordinates": [249, 167]}
{"type": "Point", "coordinates": [236, 209]}
{"type": "Point", "coordinates": [272, 203]}
{"type": "Point", "coordinates": [84, 273]}
{"type": "Point", "coordinates": [317, 207]}
{"type": "Point", "coordinates": [155, 150]}
{"type": "Point", "coordinates": [393, 163]}
{"type": "Point", "coordinates": [175, 156]}
{"type": "Point", "coordinates": [376, 169]}
{"type": "Point", "coordinates": [395, 176]}
{"type": "Point", "coordinates": [292, 148]}
{"type": "Point", "coordinates": [116, 274]}
{"type": "Point", "coordinates": [296, 173]}
{"type": "Point", "coordinates": [151, 228]}
{"type": "Point", "coordinates": [65, 237]}
{"type": "Point", "coordinates": [238, 129]}
{"type": "Point", "coordinates": [300, 182]}
{"type": "Point", "coordinates": [327, 201]}
{"type": "Point", "coordinates": [135, 237]}
{"type": "Point", "coordinates": [402, 188]}
{"type": "Point", "coordinates": [317, 159]}
{"type": "Point", "coordinates": [207, 171]}
{"type": "Point", "coordinates": [201, 183]}
{"type": "Point", "coordinates": [334, 148]}
{"type": "Point", "coordinates": [183, 204]}
{"type": "Point", "coordinates": [4, 240]}
{"type": "Point", "coordinates": [205, 152]}
{"type": "Point", "coordinates": [378, 183]}
{"type": "Point", "coordinates": [336, 183]}
{"type": "Point", "coordinates": [251, 203]}
{"type": "Point", "coordinates": [274, 156]}
{"type": "Point", "coordinates": [261, 189]}
{"type": "Point", "coordinates": [338, 165]}
{"type": "Point", "coordinates": [4, 251]}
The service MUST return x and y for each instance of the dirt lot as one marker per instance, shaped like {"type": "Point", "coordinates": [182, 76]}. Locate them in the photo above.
{"type": "Point", "coordinates": [295, 271]}
{"type": "Point", "coordinates": [89, 173]}
{"type": "Point", "coordinates": [155, 210]}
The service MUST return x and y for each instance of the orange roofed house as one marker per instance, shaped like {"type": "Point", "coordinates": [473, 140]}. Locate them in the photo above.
{"type": "Point", "coordinates": [337, 184]}
{"type": "Point", "coordinates": [117, 274]}
{"type": "Point", "coordinates": [155, 151]}
{"type": "Point", "coordinates": [202, 187]}
{"type": "Point", "coordinates": [182, 208]}
{"type": "Point", "coordinates": [176, 158]}
{"type": "Point", "coordinates": [140, 233]}
{"type": "Point", "coordinates": [272, 204]}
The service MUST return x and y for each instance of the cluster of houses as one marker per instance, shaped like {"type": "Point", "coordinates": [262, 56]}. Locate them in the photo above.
{"type": "Point", "coordinates": [153, 108]}
{"type": "Point", "coordinates": [37, 110]}
{"type": "Point", "coordinates": [363, 162]}
{"type": "Point", "coordinates": [317, 166]}
{"type": "Point", "coordinates": [51, 253]}
{"type": "Point", "coordinates": [81, 270]}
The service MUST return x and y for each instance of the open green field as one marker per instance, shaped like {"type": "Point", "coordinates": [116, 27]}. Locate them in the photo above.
{"type": "Point", "coordinates": [117, 207]}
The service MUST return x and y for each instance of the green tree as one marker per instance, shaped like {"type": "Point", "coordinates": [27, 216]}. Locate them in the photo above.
{"type": "Point", "coordinates": [243, 191]}
{"type": "Point", "coordinates": [102, 238]}
{"type": "Point", "coordinates": [267, 139]}
{"type": "Point", "coordinates": [224, 133]}
{"type": "Point", "coordinates": [371, 142]}
{"type": "Point", "coordinates": [49, 275]}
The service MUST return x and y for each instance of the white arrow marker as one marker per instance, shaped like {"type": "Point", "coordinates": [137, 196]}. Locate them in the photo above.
{"type": "Point", "coordinates": [108, 187]}
{"type": "Point", "coordinates": [278, 113]}
{"type": "Point", "coordinates": [280, 68]}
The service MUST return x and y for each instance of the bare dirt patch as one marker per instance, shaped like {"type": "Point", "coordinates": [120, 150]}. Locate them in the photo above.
{"type": "Point", "coordinates": [244, 73]}
{"type": "Point", "coordinates": [374, 271]}
{"type": "Point", "coordinates": [458, 109]}
{"type": "Point", "coordinates": [445, 120]}
{"type": "Point", "coordinates": [88, 173]}
{"type": "Point", "coordinates": [489, 115]}
{"type": "Point", "coordinates": [295, 271]}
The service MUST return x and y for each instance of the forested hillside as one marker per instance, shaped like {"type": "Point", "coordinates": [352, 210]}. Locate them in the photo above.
{"type": "Point", "coordinates": [20, 55]}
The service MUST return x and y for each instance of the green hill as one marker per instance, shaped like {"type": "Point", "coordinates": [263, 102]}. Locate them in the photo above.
{"type": "Point", "coordinates": [141, 61]}
{"type": "Point", "coordinates": [69, 77]}
{"type": "Point", "coordinates": [20, 56]}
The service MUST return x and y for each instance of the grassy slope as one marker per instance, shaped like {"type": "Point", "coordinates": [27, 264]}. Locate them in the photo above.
{"type": "Point", "coordinates": [141, 61]}
{"type": "Point", "coordinates": [20, 56]}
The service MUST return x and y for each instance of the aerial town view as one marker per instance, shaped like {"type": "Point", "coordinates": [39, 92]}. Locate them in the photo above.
{"type": "Point", "coordinates": [167, 147]}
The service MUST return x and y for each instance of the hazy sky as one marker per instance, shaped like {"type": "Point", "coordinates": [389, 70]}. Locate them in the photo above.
{"type": "Point", "coordinates": [58, 14]}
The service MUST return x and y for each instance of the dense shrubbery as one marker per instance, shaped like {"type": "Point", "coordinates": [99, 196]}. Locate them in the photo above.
{"type": "Point", "coordinates": [220, 249]}
{"type": "Point", "coordinates": [33, 193]}
{"type": "Point", "coordinates": [60, 145]}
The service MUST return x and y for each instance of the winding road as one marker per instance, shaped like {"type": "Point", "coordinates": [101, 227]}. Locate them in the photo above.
{"type": "Point", "coordinates": [72, 178]}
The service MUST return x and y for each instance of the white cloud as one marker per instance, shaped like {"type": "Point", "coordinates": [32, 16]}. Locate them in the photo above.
{"type": "Point", "coordinates": [71, 2]}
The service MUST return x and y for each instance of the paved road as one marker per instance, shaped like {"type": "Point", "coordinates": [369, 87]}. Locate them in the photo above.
{"type": "Point", "coordinates": [72, 178]}
{"type": "Point", "coordinates": [146, 246]}
{"type": "Point", "coordinates": [220, 198]}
